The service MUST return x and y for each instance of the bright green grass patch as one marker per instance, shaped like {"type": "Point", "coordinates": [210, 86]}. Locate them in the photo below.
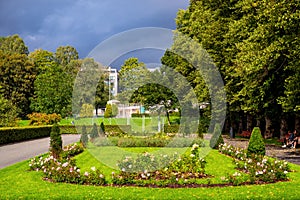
{"type": "Point", "coordinates": [16, 182]}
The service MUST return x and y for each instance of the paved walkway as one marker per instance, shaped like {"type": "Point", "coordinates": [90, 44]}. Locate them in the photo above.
{"type": "Point", "coordinates": [287, 154]}
{"type": "Point", "coordinates": [13, 153]}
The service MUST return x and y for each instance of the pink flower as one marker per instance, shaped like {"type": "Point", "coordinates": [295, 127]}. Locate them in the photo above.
{"type": "Point", "coordinates": [86, 173]}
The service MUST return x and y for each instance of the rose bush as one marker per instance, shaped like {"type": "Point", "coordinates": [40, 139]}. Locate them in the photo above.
{"type": "Point", "coordinates": [259, 168]}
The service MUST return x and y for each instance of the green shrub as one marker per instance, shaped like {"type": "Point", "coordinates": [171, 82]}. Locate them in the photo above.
{"type": "Point", "coordinates": [111, 130]}
{"type": "Point", "coordinates": [217, 138]}
{"type": "Point", "coordinates": [17, 134]}
{"type": "Point", "coordinates": [148, 142]}
{"type": "Point", "coordinates": [172, 128]}
{"type": "Point", "coordinates": [102, 129]}
{"type": "Point", "coordinates": [117, 130]}
{"type": "Point", "coordinates": [86, 110]}
{"type": "Point", "coordinates": [256, 144]}
{"type": "Point", "coordinates": [55, 141]}
{"type": "Point", "coordinates": [68, 129]}
{"type": "Point", "coordinates": [140, 115]}
{"type": "Point", "coordinates": [111, 110]}
{"type": "Point", "coordinates": [84, 136]}
{"type": "Point", "coordinates": [43, 119]}
{"type": "Point", "coordinates": [94, 133]}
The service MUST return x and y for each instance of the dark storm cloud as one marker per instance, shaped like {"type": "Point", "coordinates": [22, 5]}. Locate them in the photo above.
{"type": "Point", "coordinates": [82, 23]}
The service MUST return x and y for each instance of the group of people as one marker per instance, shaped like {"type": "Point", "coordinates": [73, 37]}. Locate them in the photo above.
{"type": "Point", "coordinates": [291, 139]}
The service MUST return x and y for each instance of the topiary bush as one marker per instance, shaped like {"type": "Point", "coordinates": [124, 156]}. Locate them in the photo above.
{"type": "Point", "coordinates": [55, 141]}
{"type": "Point", "coordinates": [256, 144]}
{"type": "Point", "coordinates": [217, 138]}
{"type": "Point", "coordinates": [94, 132]}
{"type": "Point", "coordinates": [84, 136]}
{"type": "Point", "coordinates": [102, 130]}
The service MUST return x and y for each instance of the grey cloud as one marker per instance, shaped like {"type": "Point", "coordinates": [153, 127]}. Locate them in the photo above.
{"type": "Point", "coordinates": [82, 23]}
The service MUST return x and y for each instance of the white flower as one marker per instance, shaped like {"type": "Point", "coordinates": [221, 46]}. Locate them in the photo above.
{"type": "Point", "coordinates": [285, 172]}
{"type": "Point", "coordinates": [192, 155]}
{"type": "Point", "coordinates": [123, 170]}
{"type": "Point", "coordinates": [101, 176]}
{"type": "Point", "coordinates": [86, 173]}
{"type": "Point", "coordinates": [93, 168]}
{"type": "Point", "coordinates": [78, 170]}
{"type": "Point", "coordinates": [195, 146]}
{"type": "Point", "coordinates": [130, 166]}
{"type": "Point", "coordinates": [143, 175]}
{"type": "Point", "coordinates": [65, 164]}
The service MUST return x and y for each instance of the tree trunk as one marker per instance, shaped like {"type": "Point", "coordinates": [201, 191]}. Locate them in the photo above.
{"type": "Point", "coordinates": [168, 117]}
{"type": "Point", "coordinates": [240, 126]}
{"type": "Point", "coordinates": [283, 127]}
{"type": "Point", "coordinates": [268, 131]}
{"type": "Point", "coordinates": [249, 122]}
{"type": "Point", "coordinates": [297, 122]}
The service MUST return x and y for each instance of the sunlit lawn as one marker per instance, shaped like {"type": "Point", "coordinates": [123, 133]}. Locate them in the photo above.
{"type": "Point", "coordinates": [16, 182]}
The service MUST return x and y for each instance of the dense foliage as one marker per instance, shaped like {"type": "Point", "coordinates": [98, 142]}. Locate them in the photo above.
{"type": "Point", "coordinates": [253, 43]}
{"type": "Point", "coordinates": [38, 119]}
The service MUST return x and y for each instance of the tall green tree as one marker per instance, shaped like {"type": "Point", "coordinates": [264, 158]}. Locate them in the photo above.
{"type": "Point", "coordinates": [65, 54]}
{"type": "Point", "coordinates": [13, 44]}
{"type": "Point", "coordinates": [17, 75]}
{"type": "Point", "coordinates": [53, 92]}
{"type": "Point", "coordinates": [8, 113]}
{"type": "Point", "coordinates": [89, 85]}
{"type": "Point", "coordinates": [132, 75]}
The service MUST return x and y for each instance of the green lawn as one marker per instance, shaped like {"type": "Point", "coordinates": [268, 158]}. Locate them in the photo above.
{"type": "Point", "coordinates": [16, 182]}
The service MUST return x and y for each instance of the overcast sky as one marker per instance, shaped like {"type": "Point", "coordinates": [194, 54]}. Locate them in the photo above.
{"type": "Point", "coordinates": [48, 24]}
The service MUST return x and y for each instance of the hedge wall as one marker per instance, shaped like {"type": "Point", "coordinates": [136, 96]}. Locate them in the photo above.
{"type": "Point", "coordinates": [111, 130]}
{"type": "Point", "coordinates": [172, 128]}
{"type": "Point", "coordinates": [17, 134]}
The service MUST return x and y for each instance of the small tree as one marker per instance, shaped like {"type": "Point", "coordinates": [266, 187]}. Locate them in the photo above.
{"type": "Point", "coordinates": [108, 111]}
{"type": "Point", "coordinates": [256, 144]}
{"type": "Point", "coordinates": [114, 110]}
{"type": "Point", "coordinates": [94, 132]}
{"type": "Point", "coordinates": [86, 110]}
{"type": "Point", "coordinates": [217, 138]}
{"type": "Point", "coordinates": [55, 141]}
{"type": "Point", "coordinates": [84, 136]}
{"type": "Point", "coordinates": [102, 129]}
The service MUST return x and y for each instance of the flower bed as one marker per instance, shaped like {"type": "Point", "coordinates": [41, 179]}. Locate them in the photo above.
{"type": "Point", "coordinates": [168, 170]}
{"type": "Point", "coordinates": [65, 169]}
{"type": "Point", "coordinates": [260, 169]}
{"type": "Point", "coordinates": [162, 170]}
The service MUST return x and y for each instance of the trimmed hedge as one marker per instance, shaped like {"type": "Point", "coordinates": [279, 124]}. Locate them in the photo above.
{"type": "Point", "coordinates": [174, 128]}
{"type": "Point", "coordinates": [148, 142]}
{"type": "Point", "coordinates": [18, 134]}
{"type": "Point", "coordinates": [111, 130]}
{"type": "Point", "coordinates": [139, 115]}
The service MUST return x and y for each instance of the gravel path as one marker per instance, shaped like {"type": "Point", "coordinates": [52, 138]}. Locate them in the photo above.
{"type": "Point", "coordinates": [13, 153]}
{"type": "Point", "coordinates": [290, 155]}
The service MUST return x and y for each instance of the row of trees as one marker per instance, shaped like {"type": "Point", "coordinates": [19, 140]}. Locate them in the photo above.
{"type": "Point", "coordinates": [40, 81]}
{"type": "Point", "coordinates": [255, 45]}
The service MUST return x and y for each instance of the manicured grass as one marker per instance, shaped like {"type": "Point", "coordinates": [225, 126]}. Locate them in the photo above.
{"type": "Point", "coordinates": [16, 182]}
